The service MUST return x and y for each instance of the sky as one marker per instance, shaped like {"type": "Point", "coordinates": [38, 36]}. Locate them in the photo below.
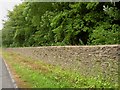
{"type": "Point", "coordinates": [6, 5]}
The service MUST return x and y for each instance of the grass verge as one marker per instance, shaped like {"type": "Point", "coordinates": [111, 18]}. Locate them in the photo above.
{"type": "Point", "coordinates": [37, 74]}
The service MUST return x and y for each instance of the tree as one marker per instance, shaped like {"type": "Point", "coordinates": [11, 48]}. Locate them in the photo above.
{"type": "Point", "coordinates": [62, 23]}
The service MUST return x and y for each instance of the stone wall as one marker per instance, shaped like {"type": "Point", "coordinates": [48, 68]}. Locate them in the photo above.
{"type": "Point", "coordinates": [88, 60]}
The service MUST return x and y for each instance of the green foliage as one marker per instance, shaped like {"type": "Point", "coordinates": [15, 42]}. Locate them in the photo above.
{"type": "Point", "coordinates": [62, 23]}
{"type": "Point", "coordinates": [0, 38]}
{"type": "Point", "coordinates": [106, 34]}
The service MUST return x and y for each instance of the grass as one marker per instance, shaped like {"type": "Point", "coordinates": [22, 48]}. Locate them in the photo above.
{"type": "Point", "coordinates": [37, 74]}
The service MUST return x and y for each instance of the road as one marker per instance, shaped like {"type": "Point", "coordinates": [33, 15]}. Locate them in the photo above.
{"type": "Point", "coordinates": [0, 73]}
{"type": "Point", "coordinates": [5, 78]}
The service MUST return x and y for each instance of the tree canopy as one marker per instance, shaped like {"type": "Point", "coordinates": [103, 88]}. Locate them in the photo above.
{"type": "Point", "coordinates": [62, 23]}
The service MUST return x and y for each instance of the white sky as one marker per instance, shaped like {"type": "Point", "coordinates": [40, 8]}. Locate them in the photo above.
{"type": "Point", "coordinates": [6, 5]}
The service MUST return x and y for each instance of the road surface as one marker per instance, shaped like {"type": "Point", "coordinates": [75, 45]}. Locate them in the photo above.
{"type": "Point", "coordinates": [0, 73]}
{"type": "Point", "coordinates": [5, 77]}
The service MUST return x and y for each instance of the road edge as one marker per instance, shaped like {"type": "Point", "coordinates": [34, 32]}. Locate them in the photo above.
{"type": "Point", "coordinates": [12, 79]}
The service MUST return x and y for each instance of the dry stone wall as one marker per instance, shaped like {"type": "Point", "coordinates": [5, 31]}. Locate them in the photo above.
{"type": "Point", "coordinates": [88, 60]}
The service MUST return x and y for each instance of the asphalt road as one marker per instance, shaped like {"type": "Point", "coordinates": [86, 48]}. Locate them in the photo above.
{"type": "Point", "coordinates": [5, 78]}
{"type": "Point", "coordinates": [0, 73]}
